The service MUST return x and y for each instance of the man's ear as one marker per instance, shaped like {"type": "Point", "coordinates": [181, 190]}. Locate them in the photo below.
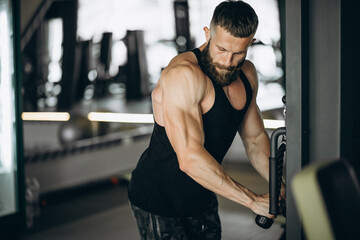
{"type": "Point", "coordinates": [207, 33]}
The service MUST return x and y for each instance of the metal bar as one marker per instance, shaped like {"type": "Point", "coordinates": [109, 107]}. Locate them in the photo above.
{"type": "Point", "coordinates": [274, 173]}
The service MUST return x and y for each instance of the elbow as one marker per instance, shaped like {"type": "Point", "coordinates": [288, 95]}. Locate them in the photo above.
{"type": "Point", "coordinates": [187, 161]}
{"type": "Point", "coordinates": [184, 164]}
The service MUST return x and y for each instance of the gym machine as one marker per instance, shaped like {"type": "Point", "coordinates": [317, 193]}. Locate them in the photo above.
{"type": "Point", "coordinates": [276, 162]}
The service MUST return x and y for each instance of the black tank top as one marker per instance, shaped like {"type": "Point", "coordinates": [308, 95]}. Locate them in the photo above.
{"type": "Point", "coordinates": [158, 185]}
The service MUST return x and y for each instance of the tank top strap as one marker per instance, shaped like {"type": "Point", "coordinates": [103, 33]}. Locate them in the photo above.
{"type": "Point", "coordinates": [248, 87]}
{"type": "Point", "coordinates": [197, 53]}
{"type": "Point", "coordinates": [242, 75]}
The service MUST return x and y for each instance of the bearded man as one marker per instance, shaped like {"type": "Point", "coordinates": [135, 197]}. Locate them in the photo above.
{"type": "Point", "coordinates": [202, 99]}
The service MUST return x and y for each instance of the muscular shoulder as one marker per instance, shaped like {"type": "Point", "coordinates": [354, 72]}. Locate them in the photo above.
{"type": "Point", "coordinates": [184, 65]}
{"type": "Point", "coordinates": [183, 76]}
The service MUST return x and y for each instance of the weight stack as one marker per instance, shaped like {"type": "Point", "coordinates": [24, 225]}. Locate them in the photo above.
{"type": "Point", "coordinates": [137, 83]}
{"type": "Point", "coordinates": [182, 25]}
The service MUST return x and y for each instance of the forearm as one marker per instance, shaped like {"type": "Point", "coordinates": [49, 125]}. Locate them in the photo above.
{"type": "Point", "coordinates": [258, 151]}
{"type": "Point", "coordinates": [206, 171]}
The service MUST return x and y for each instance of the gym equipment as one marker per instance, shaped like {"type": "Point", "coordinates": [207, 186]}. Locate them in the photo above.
{"type": "Point", "coordinates": [85, 64]}
{"type": "Point", "coordinates": [105, 51]}
{"type": "Point", "coordinates": [183, 39]}
{"type": "Point", "coordinates": [276, 159]}
{"type": "Point", "coordinates": [327, 196]}
{"type": "Point", "coordinates": [80, 127]}
{"type": "Point", "coordinates": [137, 79]}
{"type": "Point", "coordinates": [275, 177]}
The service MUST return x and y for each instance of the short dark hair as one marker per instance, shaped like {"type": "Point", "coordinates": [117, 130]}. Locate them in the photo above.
{"type": "Point", "coordinates": [237, 17]}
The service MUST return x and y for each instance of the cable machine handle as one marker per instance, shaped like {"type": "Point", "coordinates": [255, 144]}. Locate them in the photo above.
{"type": "Point", "coordinates": [274, 177]}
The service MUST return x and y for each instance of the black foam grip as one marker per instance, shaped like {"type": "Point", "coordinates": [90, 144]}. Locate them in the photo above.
{"type": "Point", "coordinates": [263, 222]}
{"type": "Point", "coordinates": [275, 175]}
{"type": "Point", "coordinates": [273, 179]}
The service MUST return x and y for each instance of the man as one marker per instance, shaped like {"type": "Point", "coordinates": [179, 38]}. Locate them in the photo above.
{"type": "Point", "coordinates": [202, 99]}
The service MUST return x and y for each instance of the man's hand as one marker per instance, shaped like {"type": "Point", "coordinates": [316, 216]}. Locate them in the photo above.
{"type": "Point", "coordinates": [282, 199]}
{"type": "Point", "coordinates": [260, 205]}
{"type": "Point", "coordinates": [283, 191]}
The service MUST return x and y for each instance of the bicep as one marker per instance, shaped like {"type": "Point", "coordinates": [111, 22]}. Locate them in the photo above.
{"type": "Point", "coordinates": [252, 125]}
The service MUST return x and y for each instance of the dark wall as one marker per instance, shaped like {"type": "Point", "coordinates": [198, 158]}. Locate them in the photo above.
{"type": "Point", "coordinates": [315, 85]}
{"type": "Point", "coordinates": [324, 79]}
{"type": "Point", "coordinates": [350, 83]}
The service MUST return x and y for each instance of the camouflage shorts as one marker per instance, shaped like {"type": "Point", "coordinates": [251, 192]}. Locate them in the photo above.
{"type": "Point", "coordinates": [153, 227]}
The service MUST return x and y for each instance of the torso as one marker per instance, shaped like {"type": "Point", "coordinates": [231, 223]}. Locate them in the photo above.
{"type": "Point", "coordinates": [235, 92]}
{"type": "Point", "coordinates": [180, 195]}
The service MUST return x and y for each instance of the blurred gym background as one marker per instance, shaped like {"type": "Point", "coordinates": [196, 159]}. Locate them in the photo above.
{"type": "Point", "coordinates": [87, 71]}
{"type": "Point", "coordinates": [79, 115]}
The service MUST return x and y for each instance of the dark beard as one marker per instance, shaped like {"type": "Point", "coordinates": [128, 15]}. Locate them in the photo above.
{"type": "Point", "coordinates": [208, 66]}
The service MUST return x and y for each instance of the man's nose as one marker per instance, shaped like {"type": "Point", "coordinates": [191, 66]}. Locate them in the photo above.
{"type": "Point", "coordinates": [227, 59]}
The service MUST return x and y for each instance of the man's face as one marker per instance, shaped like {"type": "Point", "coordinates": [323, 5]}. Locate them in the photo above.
{"type": "Point", "coordinates": [224, 55]}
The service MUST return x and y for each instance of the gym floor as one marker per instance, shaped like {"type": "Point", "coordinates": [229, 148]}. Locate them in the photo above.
{"type": "Point", "coordinates": [101, 211]}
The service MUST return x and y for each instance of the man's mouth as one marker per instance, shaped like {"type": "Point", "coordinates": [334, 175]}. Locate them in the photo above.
{"type": "Point", "coordinates": [222, 69]}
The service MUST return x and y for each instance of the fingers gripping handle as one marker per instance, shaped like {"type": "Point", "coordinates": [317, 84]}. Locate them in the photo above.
{"type": "Point", "coordinates": [263, 221]}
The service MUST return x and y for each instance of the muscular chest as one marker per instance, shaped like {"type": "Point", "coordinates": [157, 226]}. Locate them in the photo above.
{"type": "Point", "coordinates": [234, 93]}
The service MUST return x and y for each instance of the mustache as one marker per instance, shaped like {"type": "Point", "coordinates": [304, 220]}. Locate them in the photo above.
{"type": "Point", "coordinates": [229, 68]}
